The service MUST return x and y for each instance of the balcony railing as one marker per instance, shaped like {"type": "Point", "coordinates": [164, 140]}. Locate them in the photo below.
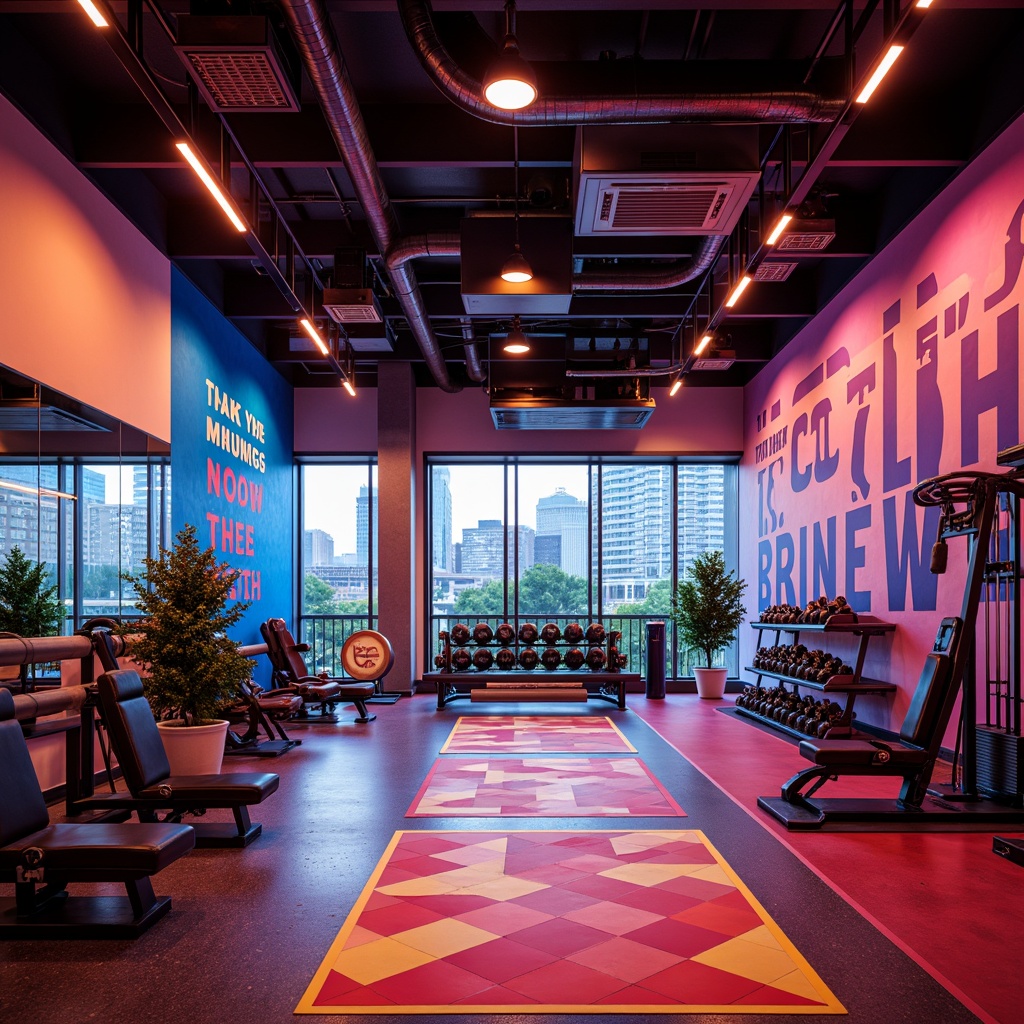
{"type": "Point", "coordinates": [326, 634]}
{"type": "Point", "coordinates": [633, 642]}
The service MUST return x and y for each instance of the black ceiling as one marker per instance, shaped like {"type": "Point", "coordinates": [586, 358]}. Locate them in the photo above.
{"type": "Point", "coordinates": [110, 98]}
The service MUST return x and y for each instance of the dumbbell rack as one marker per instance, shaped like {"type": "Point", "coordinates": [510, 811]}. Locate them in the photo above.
{"type": "Point", "coordinates": [518, 684]}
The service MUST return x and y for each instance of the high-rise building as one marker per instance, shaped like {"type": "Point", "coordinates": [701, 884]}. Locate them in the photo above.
{"type": "Point", "coordinates": [317, 548]}
{"type": "Point", "coordinates": [441, 518]}
{"type": "Point", "coordinates": [562, 516]}
{"type": "Point", "coordinates": [701, 522]}
{"type": "Point", "coordinates": [115, 535]}
{"type": "Point", "coordinates": [483, 550]}
{"type": "Point", "coordinates": [636, 524]}
{"type": "Point", "coordinates": [363, 520]}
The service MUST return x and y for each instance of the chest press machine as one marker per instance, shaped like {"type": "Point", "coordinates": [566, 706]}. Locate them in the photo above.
{"type": "Point", "coordinates": [970, 504]}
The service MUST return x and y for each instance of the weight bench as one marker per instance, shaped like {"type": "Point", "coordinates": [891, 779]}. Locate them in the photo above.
{"type": "Point", "coordinates": [43, 859]}
{"type": "Point", "coordinates": [261, 709]}
{"type": "Point", "coordinates": [152, 789]}
{"type": "Point", "coordinates": [290, 672]}
{"type": "Point", "coordinates": [912, 758]}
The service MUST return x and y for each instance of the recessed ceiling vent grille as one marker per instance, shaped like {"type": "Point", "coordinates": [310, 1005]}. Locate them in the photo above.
{"type": "Point", "coordinates": [32, 417]}
{"type": "Point", "coordinates": [351, 306]}
{"type": "Point", "coordinates": [237, 63]}
{"type": "Point", "coordinates": [663, 179]}
{"type": "Point", "coordinates": [807, 236]}
{"type": "Point", "coordinates": [534, 414]}
{"type": "Point", "coordinates": [679, 204]}
{"type": "Point", "coordinates": [774, 270]}
{"type": "Point", "coordinates": [719, 361]}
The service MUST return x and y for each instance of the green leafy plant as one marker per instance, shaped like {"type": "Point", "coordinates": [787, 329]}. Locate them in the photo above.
{"type": "Point", "coordinates": [28, 606]}
{"type": "Point", "coordinates": [182, 643]}
{"type": "Point", "coordinates": [707, 606]}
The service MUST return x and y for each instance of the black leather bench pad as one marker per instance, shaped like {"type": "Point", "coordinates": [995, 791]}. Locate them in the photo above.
{"type": "Point", "coordinates": [856, 752]}
{"type": "Point", "coordinates": [108, 850]}
{"type": "Point", "coordinates": [228, 790]}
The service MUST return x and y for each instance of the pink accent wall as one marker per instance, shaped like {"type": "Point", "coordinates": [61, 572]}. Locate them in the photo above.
{"type": "Point", "coordinates": [697, 420]}
{"type": "Point", "coordinates": [329, 420]}
{"type": "Point", "coordinates": [85, 298]}
{"type": "Point", "coordinates": [913, 370]}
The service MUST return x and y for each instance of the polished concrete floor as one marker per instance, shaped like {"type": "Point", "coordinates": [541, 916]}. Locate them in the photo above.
{"type": "Point", "coordinates": [249, 927]}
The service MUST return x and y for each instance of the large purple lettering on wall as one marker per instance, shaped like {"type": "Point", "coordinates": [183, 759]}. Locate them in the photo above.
{"type": "Point", "coordinates": [912, 371]}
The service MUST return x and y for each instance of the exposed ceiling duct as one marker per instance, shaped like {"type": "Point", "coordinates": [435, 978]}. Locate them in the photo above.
{"type": "Point", "coordinates": [718, 96]}
{"type": "Point", "coordinates": [314, 35]}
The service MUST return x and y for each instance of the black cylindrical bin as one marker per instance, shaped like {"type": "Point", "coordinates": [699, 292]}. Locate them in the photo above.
{"type": "Point", "coordinates": [655, 660]}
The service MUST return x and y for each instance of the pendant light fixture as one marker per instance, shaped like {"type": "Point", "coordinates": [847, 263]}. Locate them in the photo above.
{"type": "Point", "coordinates": [515, 341]}
{"type": "Point", "coordinates": [516, 269]}
{"type": "Point", "coordinates": [510, 83]}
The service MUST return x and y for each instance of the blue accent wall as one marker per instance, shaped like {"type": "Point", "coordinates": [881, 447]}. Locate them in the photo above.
{"type": "Point", "coordinates": [231, 454]}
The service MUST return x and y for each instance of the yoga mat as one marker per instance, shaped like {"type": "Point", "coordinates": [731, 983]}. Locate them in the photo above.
{"type": "Point", "coordinates": [536, 734]}
{"type": "Point", "coordinates": [559, 921]}
{"type": "Point", "coordinates": [553, 787]}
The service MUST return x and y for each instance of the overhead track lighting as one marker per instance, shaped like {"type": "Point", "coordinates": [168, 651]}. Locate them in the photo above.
{"type": "Point", "coordinates": [676, 385]}
{"type": "Point", "coordinates": [347, 385]}
{"type": "Point", "coordinates": [310, 328]}
{"type": "Point", "coordinates": [215, 190]}
{"type": "Point", "coordinates": [702, 344]}
{"type": "Point", "coordinates": [516, 269]}
{"type": "Point", "coordinates": [880, 72]}
{"type": "Point", "coordinates": [740, 288]}
{"type": "Point", "coordinates": [780, 226]}
{"type": "Point", "coordinates": [510, 83]}
{"type": "Point", "coordinates": [96, 16]}
{"type": "Point", "coordinates": [515, 341]}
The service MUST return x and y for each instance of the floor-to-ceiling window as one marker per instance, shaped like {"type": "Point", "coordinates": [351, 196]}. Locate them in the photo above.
{"type": "Point", "coordinates": [528, 539]}
{"type": "Point", "coordinates": [339, 556]}
{"type": "Point", "coordinates": [89, 523]}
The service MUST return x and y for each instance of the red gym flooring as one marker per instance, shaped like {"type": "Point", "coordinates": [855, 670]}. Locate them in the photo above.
{"type": "Point", "coordinates": [894, 926]}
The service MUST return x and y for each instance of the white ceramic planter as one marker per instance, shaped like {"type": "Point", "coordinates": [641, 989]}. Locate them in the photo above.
{"type": "Point", "coordinates": [196, 749]}
{"type": "Point", "coordinates": [710, 682]}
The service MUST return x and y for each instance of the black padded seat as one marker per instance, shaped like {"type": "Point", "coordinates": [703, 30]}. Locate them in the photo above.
{"type": "Point", "coordinates": [232, 788]}
{"type": "Point", "coordinates": [860, 752]}
{"type": "Point", "coordinates": [136, 742]}
{"type": "Point", "coordinates": [105, 852]}
{"type": "Point", "coordinates": [42, 859]}
{"type": "Point", "coordinates": [290, 672]}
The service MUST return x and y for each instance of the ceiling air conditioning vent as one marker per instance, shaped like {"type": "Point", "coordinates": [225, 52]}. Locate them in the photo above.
{"type": "Point", "coordinates": [540, 414]}
{"type": "Point", "coordinates": [351, 306]}
{"type": "Point", "coordinates": [718, 361]}
{"type": "Point", "coordinates": [663, 179]}
{"type": "Point", "coordinates": [238, 63]}
{"type": "Point", "coordinates": [774, 270]}
{"type": "Point", "coordinates": [807, 236]}
{"type": "Point", "coordinates": [673, 204]}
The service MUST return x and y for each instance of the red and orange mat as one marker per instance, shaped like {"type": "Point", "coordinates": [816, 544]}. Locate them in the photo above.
{"type": "Point", "coordinates": [536, 734]}
{"type": "Point", "coordinates": [551, 787]}
{"type": "Point", "coordinates": [558, 921]}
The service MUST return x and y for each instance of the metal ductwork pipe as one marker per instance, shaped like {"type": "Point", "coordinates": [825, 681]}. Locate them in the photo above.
{"type": "Point", "coordinates": [653, 96]}
{"type": "Point", "coordinates": [314, 36]}
{"type": "Point", "coordinates": [473, 365]}
{"type": "Point", "coordinates": [652, 279]}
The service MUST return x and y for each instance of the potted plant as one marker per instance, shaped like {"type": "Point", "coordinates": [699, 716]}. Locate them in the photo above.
{"type": "Point", "coordinates": [28, 606]}
{"type": "Point", "coordinates": [707, 610]}
{"type": "Point", "coordinates": [191, 666]}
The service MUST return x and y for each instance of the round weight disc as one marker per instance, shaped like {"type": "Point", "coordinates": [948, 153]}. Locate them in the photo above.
{"type": "Point", "coordinates": [367, 655]}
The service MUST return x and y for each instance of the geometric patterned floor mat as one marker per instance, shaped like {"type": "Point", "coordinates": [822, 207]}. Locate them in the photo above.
{"type": "Point", "coordinates": [551, 787]}
{"type": "Point", "coordinates": [536, 734]}
{"type": "Point", "coordinates": [560, 922]}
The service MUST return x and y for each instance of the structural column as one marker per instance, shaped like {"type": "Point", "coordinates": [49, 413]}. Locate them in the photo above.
{"type": "Point", "coordinates": [396, 515]}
